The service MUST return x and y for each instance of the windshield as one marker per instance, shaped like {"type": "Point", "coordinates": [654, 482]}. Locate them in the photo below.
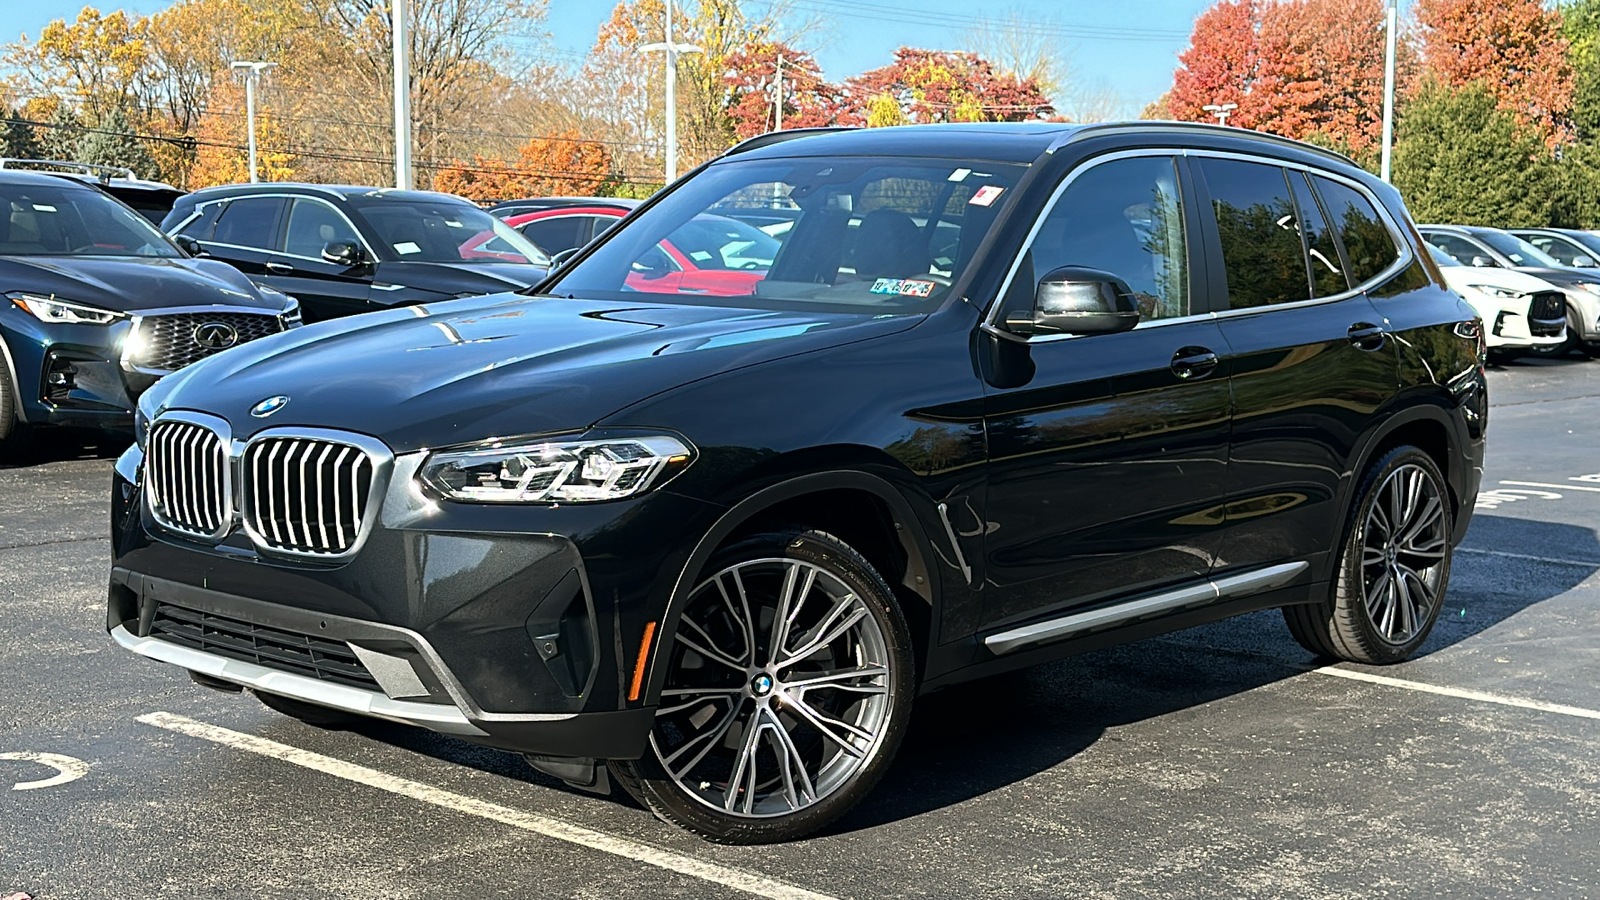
{"type": "Point", "coordinates": [875, 235]}
{"type": "Point", "coordinates": [1444, 259]}
{"type": "Point", "coordinates": [422, 230]}
{"type": "Point", "coordinates": [68, 220]}
{"type": "Point", "coordinates": [1519, 251]}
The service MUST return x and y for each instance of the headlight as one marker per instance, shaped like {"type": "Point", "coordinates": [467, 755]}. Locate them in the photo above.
{"type": "Point", "coordinates": [1498, 292]}
{"type": "Point", "coordinates": [60, 312]}
{"type": "Point", "coordinates": [143, 412]}
{"type": "Point", "coordinates": [557, 470]}
{"type": "Point", "coordinates": [291, 314]}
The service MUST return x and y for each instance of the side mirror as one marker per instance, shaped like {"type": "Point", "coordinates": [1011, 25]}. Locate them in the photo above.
{"type": "Point", "coordinates": [560, 259]}
{"type": "Point", "coordinates": [188, 245]}
{"type": "Point", "coordinates": [343, 253]}
{"type": "Point", "coordinates": [1483, 262]}
{"type": "Point", "coordinates": [1075, 300]}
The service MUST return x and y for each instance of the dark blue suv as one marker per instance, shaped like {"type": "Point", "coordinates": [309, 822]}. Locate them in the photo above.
{"type": "Point", "coordinates": [98, 304]}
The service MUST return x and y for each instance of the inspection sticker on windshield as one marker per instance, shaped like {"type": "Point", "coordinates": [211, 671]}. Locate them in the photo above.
{"type": "Point", "coordinates": [913, 288]}
{"type": "Point", "coordinates": [406, 248]}
{"type": "Point", "coordinates": [887, 286]}
{"type": "Point", "coordinates": [986, 195]}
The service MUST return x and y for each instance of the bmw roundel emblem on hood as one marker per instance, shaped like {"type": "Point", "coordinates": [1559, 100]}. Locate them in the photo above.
{"type": "Point", "coordinates": [269, 406]}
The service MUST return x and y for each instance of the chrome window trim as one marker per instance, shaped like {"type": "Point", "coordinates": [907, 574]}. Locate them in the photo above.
{"type": "Point", "coordinates": [377, 452]}
{"type": "Point", "coordinates": [1402, 261]}
{"type": "Point", "coordinates": [128, 365]}
{"type": "Point", "coordinates": [224, 434]}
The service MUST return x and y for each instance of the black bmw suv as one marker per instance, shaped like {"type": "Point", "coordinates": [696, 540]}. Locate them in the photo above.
{"type": "Point", "coordinates": [1005, 393]}
{"type": "Point", "coordinates": [341, 250]}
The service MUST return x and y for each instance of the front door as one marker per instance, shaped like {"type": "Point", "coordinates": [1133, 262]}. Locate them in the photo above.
{"type": "Point", "coordinates": [1313, 362]}
{"type": "Point", "coordinates": [326, 290]}
{"type": "Point", "coordinates": [1107, 465]}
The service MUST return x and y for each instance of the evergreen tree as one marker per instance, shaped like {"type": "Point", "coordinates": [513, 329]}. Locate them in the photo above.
{"type": "Point", "coordinates": [113, 143]}
{"type": "Point", "coordinates": [60, 139]}
{"type": "Point", "coordinates": [16, 138]}
{"type": "Point", "coordinates": [1459, 159]}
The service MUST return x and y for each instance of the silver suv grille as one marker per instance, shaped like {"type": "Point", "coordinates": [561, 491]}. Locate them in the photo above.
{"type": "Point", "coordinates": [174, 341]}
{"type": "Point", "coordinates": [306, 495]}
{"type": "Point", "coordinates": [188, 479]}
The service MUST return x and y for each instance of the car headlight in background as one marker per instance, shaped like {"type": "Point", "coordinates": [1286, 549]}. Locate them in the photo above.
{"type": "Point", "coordinates": [557, 470]}
{"type": "Point", "coordinates": [1590, 286]}
{"type": "Point", "coordinates": [291, 314]}
{"type": "Point", "coordinates": [60, 312]}
{"type": "Point", "coordinates": [1498, 293]}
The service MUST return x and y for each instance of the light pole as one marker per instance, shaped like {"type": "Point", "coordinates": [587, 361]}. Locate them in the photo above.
{"type": "Point", "coordinates": [777, 99]}
{"type": "Point", "coordinates": [1388, 87]}
{"type": "Point", "coordinates": [672, 50]}
{"type": "Point", "coordinates": [1221, 111]}
{"type": "Point", "coordinates": [252, 74]}
{"type": "Point", "coordinates": [402, 96]}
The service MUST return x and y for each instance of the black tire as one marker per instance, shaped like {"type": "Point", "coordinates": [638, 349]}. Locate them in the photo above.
{"type": "Point", "coordinates": [1351, 623]}
{"type": "Point", "coordinates": [309, 713]}
{"type": "Point", "coordinates": [829, 763]}
{"type": "Point", "coordinates": [16, 436]}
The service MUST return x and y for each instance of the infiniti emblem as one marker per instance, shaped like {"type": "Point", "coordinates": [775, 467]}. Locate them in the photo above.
{"type": "Point", "coordinates": [215, 335]}
{"type": "Point", "coordinates": [269, 406]}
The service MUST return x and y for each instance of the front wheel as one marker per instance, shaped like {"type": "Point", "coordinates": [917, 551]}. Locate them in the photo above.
{"type": "Point", "coordinates": [1393, 567]}
{"type": "Point", "coordinates": [15, 434]}
{"type": "Point", "coordinates": [787, 691]}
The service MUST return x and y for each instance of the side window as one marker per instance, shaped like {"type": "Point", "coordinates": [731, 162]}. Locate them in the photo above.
{"type": "Point", "coordinates": [1565, 252]}
{"type": "Point", "coordinates": [1368, 245]}
{"type": "Point", "coordinates": [202, 227]}
{"type": "Point", "coordinates": [1124, 217]}
{"type": "Point", "coordinates": [1261, 248]}
{"type": "Point", "coordinates": [556, 234]}
{"type": "Point", "coordinates": [1462, 251]}
{"type": "Point", "coordinates": [250, 222]}
{"type": "Point", "coordinates": [312, 226]}
{"type": "Point", "coordinates": [1327, 272]}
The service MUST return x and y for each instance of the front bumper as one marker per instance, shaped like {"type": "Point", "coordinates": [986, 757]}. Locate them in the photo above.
{"type": "Point", "coordinates": [68, 374]}
{"type": "Point", "coordinates": [513, 627]}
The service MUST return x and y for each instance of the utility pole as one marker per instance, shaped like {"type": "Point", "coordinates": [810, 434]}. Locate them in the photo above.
{"type": "Point", "coordinates": [1390, 25]}
{"type": "Point", "coordinates": [672, 50]}
{"type": "Point", "coordinates": [252, 74]}
{"type": "Point", "coordinates": [1221, 111]}
{"type": "Point", "coordinates": [402, 95]}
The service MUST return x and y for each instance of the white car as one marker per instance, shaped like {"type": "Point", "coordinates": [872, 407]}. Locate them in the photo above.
{"type": "Point", "coordinates": [1520, 313]}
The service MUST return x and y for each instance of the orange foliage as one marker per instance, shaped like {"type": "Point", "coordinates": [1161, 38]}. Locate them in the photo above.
{"type": "Point", "coordinates": [1514, 47]}
{"type": "Point", "coordinates": [563, 165]}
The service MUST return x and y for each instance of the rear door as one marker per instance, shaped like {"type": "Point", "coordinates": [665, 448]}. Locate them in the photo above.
{"type": "Point", "coordinates": [1107, 465]}
{"type": "Point", "coordinates": [1313, 362]}
{"type": "Point", "coordinates": [326, 290]}
{"type": "Point", "coordinates": [246, 233]}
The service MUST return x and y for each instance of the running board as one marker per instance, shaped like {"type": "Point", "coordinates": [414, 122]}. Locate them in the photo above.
{"type": "Point", "coordinates": [1205, 593]}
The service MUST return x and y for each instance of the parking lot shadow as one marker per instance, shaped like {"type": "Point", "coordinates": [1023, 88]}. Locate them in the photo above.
{"type": "Point", "coordinates": [60, 444]}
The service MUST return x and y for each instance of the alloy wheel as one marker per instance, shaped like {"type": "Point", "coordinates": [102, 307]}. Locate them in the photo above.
{"type": "Point", "coordinates": [1403, 553]}
{"type": "Point", "coordinates": [778, 689]}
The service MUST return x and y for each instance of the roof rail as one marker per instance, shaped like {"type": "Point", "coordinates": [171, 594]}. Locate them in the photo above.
{"type": "Point", "coordinates": [1088, 131]}
{"type": "Point", "coordinates": [777, 137]}
{"type": "Point", "coordinates": [104, 173]}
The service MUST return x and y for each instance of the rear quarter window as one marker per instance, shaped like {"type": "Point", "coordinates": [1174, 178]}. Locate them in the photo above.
{"type": "Point", "coordinates": [1368, 244]}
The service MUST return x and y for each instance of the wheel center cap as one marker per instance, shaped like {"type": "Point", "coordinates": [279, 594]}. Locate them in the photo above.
{"type": "Point", "coordinates": [1394, 555]}
{"type": "Point", "coordinates": [761, 685]}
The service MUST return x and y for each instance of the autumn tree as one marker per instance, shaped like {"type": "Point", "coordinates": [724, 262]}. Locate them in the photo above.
{"type": "Point", "coordinates": [99, 61]}
{"type": "Point", "coordinates": [1321, 71]}
{"type": "Point", "coordinates": [941, 86]}
{"type": "Point", "coordinates": [1461, 158]}
{"type": "Point", "coordinates": [222, 139]}
{"type": "Point", "coordinates": [809, 100]}
{"type": "Point", "coordinates": [563, 165]}
{"type": "Point", "coordinates": [1220, 65]}
{"type": "Point", "coordinates": [1515, 48]}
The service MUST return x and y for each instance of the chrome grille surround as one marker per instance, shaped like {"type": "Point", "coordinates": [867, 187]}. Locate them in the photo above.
{"type": "Point", "coordinates": [188, 480]}
{"type": "Point", "coordinates": [312, 493]}
{"type": "Point", "coordinates": [305, 493]}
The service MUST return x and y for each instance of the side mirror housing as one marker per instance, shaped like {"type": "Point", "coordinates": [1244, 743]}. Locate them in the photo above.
{"type": "Point", "coordinates": [1483, 262]}
{"type": "Point", "coordinates": [343, 253]}
{"type": "Point", "coordinates": [1075, 300]}
{"type": "Point", "coordinates": [188, 245]}
{"type": "Point", "coordinates": [560, 259]}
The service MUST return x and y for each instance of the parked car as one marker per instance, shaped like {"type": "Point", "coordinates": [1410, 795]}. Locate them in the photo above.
{"type": "Point", "coordinates": [1491, 247]}
{"type": "Point", "coordinates": [1521, 314]}
{"type": "Point", "coordinates": [343, 250]}
{"type": "Point", "coordinates": [713, 254]}
{"type": "Point", "coordinates": [711, 548]}
{"type": "Point", "coordinates": [151, 199]}
{"type": "Point", "coordinates": [1567, 246]}
{"type": "Point", "coordinates": [98, 304]}
{"type": "Point", "coordinates": [567, 223]}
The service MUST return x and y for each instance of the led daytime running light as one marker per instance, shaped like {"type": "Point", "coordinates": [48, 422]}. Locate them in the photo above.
{"type": "Point", "coordinates": [557, 471]}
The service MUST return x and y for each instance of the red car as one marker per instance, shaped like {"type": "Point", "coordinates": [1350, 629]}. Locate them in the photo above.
{"type": "Point", "coordinates": [713, 255]}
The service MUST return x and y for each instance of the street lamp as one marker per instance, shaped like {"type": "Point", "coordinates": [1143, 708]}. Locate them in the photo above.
{"type": "Point", "coordinates": [399, 23]}
{"type": "Point", "coordinates": [672, 50]}
{"type": "Point", "coordinates": [1388, 88]}
{"type": "Point", "coordinates": [1221, 111]}
{"type": "Point", "coordinates": [252, 72]}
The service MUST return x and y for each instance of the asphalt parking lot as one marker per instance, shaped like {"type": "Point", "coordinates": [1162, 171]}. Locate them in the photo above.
{"type": "Point", "coordinates": [1215, 762]}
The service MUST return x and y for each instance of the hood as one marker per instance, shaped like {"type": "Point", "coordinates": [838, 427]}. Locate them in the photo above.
{"type": "Point", "coordinates": [451, 279]}
{"type": "Point", "coordinates": [469, 370]}
{"type": "Point", "coordinates": [1460, 277]}
{"type": "Point", "coordinates": [134, 283]}
{"type": "Point", "coordinates": [1561, 275]}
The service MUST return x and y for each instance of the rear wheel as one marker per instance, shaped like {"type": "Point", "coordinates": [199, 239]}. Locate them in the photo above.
{"type": "Point", "coordinates": [15, 434]}
{"type": "Point", "coordinates": [788, 687]}
{"type": "Point", "coordinates": [1393, 567]}
{"type": "Point", "coordinates": [309, 713]}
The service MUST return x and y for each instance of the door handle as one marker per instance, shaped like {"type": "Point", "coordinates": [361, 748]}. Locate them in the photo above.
{"type": "Point", "coordinates": [279, 268]}
{"type": "Point", "coordinates": [1194, 362]}
{"type": "Point", "coordinates": [1367, 336]}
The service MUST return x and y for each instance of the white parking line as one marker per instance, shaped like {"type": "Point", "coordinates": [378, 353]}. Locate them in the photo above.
{"type": "Point", "coordinates": [1459, 693]}
{"type": "Point", "coordinates": [1589, 563]}
{"type": "Point", "coordinates": [738, 879]}
{"type": "Point", "coordinates": [1564, 487]}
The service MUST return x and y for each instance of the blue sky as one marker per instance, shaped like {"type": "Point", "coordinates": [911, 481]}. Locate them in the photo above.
{"type": "Point", "coordinates": [1129, 47]}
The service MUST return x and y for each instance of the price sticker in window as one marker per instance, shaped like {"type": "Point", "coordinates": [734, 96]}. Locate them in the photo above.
{"type": "Point", "coordinates": [986, 195]}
